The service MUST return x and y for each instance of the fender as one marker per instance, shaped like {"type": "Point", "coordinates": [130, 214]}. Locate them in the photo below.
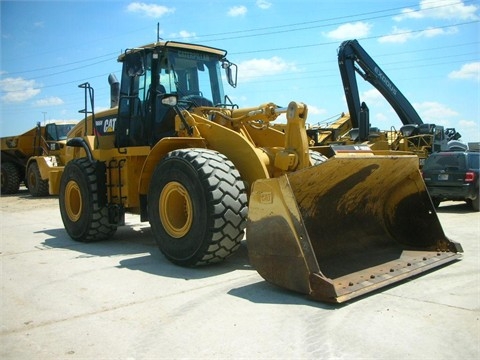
{"type": "Point", "coordinates": [49, 170]}
{"type": "Point", "coordinates": [232, 144]}
{"type": "Point", "coordinates": [157, 153]}
{"type": "Point", "coordinates": [80, 142]}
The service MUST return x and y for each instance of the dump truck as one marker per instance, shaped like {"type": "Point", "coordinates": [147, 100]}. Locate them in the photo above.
{"type": "Point", "coordinates": [413, 136]}
{"type": "Point", "coordinates": [208, 174]}
{"type": "Point", "coordinates": [18, 154]}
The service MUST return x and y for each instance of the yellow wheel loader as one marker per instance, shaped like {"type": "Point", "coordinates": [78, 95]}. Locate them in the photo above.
{"type": "Point", "coordinates": [201, 170]}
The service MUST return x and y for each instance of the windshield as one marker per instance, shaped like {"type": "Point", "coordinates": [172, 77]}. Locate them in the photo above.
{"type": "Point", "coordinates": [445, 161]}
{"type": "Point", "coordinates": [193, 73]}
{"type": "Point", "coordinates": [57, 132]}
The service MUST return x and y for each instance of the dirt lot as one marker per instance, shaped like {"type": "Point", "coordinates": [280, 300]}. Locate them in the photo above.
{"type": "Point", "coordinates": [120, 299]}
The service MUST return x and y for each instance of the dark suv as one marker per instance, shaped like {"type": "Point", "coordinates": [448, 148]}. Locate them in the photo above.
{"type": "Point", "coordinates": [453, 176]}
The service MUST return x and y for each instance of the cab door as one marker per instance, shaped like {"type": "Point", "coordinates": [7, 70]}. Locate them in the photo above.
{"type": "Point", "coordinates": [133, 128]}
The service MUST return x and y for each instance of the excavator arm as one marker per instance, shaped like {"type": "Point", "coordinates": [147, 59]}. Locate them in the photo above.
{"type": "Point", "coordinates": [352, 59]}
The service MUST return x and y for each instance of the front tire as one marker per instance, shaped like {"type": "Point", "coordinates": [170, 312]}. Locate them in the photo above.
{"type": "Point", "coordinates": [83, 215]}
{"type": "Point", "coordinates": [35, 184]}
{"type": "Point", "coordinates": [197, 207]}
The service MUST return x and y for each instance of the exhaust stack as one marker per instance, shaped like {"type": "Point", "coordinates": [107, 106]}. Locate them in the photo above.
{"type": "Point", "coordinates": [114, 90]}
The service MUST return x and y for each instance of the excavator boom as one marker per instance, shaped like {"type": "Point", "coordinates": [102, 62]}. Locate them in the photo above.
{"type": "Point", "coordinates": [352, 59]}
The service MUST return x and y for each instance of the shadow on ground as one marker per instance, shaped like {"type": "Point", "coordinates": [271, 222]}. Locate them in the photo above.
{"type": "Point", "coordinates": [136, 249]}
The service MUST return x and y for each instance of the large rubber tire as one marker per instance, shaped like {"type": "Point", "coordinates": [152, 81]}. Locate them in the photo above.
{"type": "Point", "coordinates": [197, 207]}
{"type": "Point", "coordinates": [10, 178]}
{"type": "Point", "coordinates": [35, 184]}
{"type": "Point", "coordinates": [82, 215]}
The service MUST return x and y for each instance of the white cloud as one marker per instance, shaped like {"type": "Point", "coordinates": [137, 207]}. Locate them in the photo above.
{"type": "Point", "coordinates": [400, 36]}
{"type": "Point", "coordinates": [183, 34]}
{"type": "Point", "coordinates": [469, 129]}
{"type": "Point", "coordinates": [372, 97]}
{"type": "Point", "coordinates": [264, 67]}
{"type": "Point", "coordinates": [468, 124]}
{"type": "Point", "coordinates": [467, 71]}
{"type": "Point", "coordinates": [350, 31]}
{"type": "Point", "coordinates": [150, 10]}
{"type": "Point", "coordinates": [408, 13]}
{"type": "Point", "coordinates": [381, 117]}
{"type": "Point", "coordinates": [51, 101]}
{"type": "Point", "coordinates": [431, 32]}
{"type": "Point", "coordinates": [237, 11]}
{"type": "Point", "coordinates": [433, 112]}
{"type": "Point", "coordinates": [18, 89]}
{"type": "Point", "coordinates": [314, 110]}
{"type": "Point", "coordinates": [264, 4]}
{"type": "Point", "coordinates": [446, 9]}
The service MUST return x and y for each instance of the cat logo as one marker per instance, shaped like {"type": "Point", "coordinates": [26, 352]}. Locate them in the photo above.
{"type": "Point", "coordinates": [109, 125]}
{"type": "Point", "coordinates": [105, 125]}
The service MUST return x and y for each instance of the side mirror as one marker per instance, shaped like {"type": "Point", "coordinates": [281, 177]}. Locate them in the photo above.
{"type": "Point", "coordinates": [135, 65]}
{"type": "Point", "coordinates": [231, 71]}
{"type": "Point", "coordinates": [170, 100]}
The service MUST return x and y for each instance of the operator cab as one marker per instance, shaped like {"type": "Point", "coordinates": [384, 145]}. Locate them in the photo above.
{"type": "Point", "coordinates": [190, 72]}
{"type": "Point", "coordinates": [55, 133]}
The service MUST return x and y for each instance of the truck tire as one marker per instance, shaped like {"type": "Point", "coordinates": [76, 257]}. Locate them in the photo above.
{"type": "Point", "coordinates": [475, 203]}
{"type": "Point", "coordinates": [35, 184]}
{"type": "Point", "coordinates": [197, 207]}
{"type": "Point", "coordinates": [10, 178]}
{"type": "Point", "coordinates": [82, 215]}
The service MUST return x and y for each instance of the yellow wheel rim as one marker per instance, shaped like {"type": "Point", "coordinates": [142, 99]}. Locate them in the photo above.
{"type": "Point", "coordinates": [73, 201]}
{"type": "Point", "coordinates": [175, 209]}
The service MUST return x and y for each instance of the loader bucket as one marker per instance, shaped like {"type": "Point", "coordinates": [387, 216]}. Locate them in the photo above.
{"type": "Point", "coordinates": [346, 227]}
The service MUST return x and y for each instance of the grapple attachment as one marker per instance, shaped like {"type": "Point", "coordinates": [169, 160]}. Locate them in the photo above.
{"type": "Point", "coordinates": [351, 225]}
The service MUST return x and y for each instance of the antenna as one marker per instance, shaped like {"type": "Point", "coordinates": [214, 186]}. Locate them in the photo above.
{"type": "Point", "coordinates": [158, 32]}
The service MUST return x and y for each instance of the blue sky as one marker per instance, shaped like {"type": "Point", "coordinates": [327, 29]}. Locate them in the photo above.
{"type": "Point", "coordinates": [285, 50]}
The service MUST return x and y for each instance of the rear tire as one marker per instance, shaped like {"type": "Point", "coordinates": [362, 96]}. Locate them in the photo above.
{"type": "Point", "coordinates": [475, 203]}
{"type": "Point", "coordinates": [197, 207]}
{"type": "Point", "coordinates": [35, 184]}
{"type": "Point", "coordinates": [82, 215]}
{"type": "Point", "coordinates": [10, 178]}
